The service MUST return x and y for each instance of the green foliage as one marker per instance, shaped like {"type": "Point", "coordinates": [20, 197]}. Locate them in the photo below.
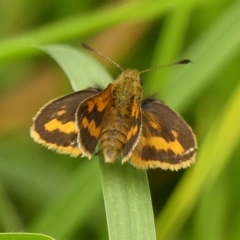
{"type": "Point", "coordinates": [44, 192]}
{"type": "Point", "coordinates": [126, 191]}
{"type": "Point", "coordinates": [24, 236]}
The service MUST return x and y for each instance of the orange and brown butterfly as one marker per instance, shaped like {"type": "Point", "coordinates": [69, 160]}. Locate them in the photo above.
{"type": "Point", "coordinates": [147, 133]}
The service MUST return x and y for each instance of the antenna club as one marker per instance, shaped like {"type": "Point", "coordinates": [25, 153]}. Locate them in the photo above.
{"type": "Point", "coordinates": [184, 61]}
{"type": "Point", "coordinates": [86, 46]}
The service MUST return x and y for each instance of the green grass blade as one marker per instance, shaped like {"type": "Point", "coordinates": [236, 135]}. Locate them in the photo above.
{"type": "Point", "coordinates": [209, 56]}
{"type": "Point", "coordinates": [213, 209]}
{"type": "Point", "coordinates": [80, 26]}
{"type": "Point", "coordinates": [24, 236]}
{"type": "Point", "coordinates": [83, 25]}
{"type": "Point", "coordinates": [127, 202]}
{"type": "Point", "coordinates": [168, 47]}
{"type": "Point", "coordinates": [213, 155]}
{"type": "Point", "coordinates": [82, 70]}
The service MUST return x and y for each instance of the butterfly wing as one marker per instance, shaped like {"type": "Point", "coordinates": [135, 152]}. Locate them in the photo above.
{"type": "Point", "coordinates": [166, 140]}
{"type": "Point", "coordinates": [134, 131]}
{"type": "Point", "coordinates": [89, 118]}
{"type": "Point", "coordinates": [55, 126]}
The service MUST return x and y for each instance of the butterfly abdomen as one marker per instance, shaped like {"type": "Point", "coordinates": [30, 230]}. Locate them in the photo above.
{"type": "Point", "coordinates": [114, 132]}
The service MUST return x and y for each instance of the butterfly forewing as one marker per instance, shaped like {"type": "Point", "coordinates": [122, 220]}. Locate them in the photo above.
{"type": "Point", "coordinates": [166, 140]}
{"type": "Point", "coordinates": [134, 130]}
{"type": "Point", "coordinates": [89, 118]}
{"type": "Point", "coordinates": [55, 126]}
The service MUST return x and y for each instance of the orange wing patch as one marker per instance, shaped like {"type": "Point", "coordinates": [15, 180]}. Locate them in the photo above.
{"type": "Point", "coordinates": [89, 120]}
{"type": "Point", "coordinates": [161, 144]}
{"type": "Point", "coordinates": [54, 124]}
{"type": "Point", "coordinates": [134, 131]}
{"type": "Point", "coordinates": [91, 127]}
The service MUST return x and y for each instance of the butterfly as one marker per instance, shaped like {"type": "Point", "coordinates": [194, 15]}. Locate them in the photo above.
{"type": "Point", "coordinates": [145, 132]}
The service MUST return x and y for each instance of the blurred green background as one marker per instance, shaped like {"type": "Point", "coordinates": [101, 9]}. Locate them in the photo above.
{"type": "Point", "coordinates": [41, 191]}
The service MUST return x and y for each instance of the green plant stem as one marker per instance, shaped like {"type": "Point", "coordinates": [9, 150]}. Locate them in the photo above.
{"type": "Point", "coordinates": [127, 202]}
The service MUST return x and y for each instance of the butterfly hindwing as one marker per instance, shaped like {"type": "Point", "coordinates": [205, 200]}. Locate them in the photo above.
{"type": "Point", "coordinates": [55, 126]}
{"type": "Point", "coordinates": [89, 118]}
{"type": "Point", "coordinates": [166, 140]}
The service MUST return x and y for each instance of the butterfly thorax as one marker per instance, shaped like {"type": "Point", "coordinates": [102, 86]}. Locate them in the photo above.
{"type": "Point", "coordinates": [116, 121]}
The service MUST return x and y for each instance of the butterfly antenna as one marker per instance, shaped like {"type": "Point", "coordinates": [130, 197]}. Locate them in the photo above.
{"type": "Point", "coordinates": [86, 46]}
{"type": "Point", "coordinates": [184, 61]}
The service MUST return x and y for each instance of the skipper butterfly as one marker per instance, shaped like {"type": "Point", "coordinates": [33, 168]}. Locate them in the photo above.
{"type": "Point", "coordinates": [147, 133]}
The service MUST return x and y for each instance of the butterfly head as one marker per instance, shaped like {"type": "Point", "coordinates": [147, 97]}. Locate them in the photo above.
{"type": "Point", "coordinates": [131, 74]}
{"type": "Point", "coordinates": [129, 83]}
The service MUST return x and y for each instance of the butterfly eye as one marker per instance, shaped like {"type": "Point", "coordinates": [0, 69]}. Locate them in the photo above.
{"type": "Point", "coordinates": [141, 80]}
